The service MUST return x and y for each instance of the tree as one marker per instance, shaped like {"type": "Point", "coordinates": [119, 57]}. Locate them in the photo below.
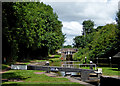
{"type": "Point", "coordinates": [104, 43]}
{"type": "Point", "coordinates": [82, 41]}
{"type": "Point", "coordinates": [30, 26]}
{"type": "Point", "coordinates": [68, 46]}
{"type": "Point", "coordinates": [118, 22]}
{"type": "Point", "coordinates": [88, 27]}
{"type": "Point", "coordinates": [79, 41]}
{"type": "Point", "coordinates": [118, 19]}
{"type": "Point", "coordinates": [98, 28]}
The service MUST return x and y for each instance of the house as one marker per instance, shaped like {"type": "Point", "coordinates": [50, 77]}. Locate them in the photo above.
{"type": "Point", "coordinates": [67, 53]}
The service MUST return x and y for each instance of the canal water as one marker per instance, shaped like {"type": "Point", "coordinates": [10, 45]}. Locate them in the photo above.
{"type": "Point", "coordinates": [62, 73]}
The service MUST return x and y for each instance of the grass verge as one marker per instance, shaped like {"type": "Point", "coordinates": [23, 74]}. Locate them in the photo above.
{"type": "Point", "coordinates": [20, 77]}
{"type": "Point", "coordinates": [109, 71]}
{"type": "Point", "coordinates": [4, 66]}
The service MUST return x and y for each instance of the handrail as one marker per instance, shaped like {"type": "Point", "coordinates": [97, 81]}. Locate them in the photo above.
{"type": "Point", "coordinates": [78, 65]}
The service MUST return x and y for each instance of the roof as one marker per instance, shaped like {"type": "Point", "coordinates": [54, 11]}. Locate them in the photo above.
{"type": "Point", "coordinates": [69, 49]}
{"type": "Point", "coordinates": [117, 55]}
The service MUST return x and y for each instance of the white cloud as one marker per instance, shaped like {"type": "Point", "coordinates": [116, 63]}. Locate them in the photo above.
{"type": "Point", "coordinates": [73, 12]}
{"type": "Point", "coordinates": [72, 28]}
{"type": "Point", "coordinates": [69, 41]}
{"type": "Point", "coordinates": [75, 0]}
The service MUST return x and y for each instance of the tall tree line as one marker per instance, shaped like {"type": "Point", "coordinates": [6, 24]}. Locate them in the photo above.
{"type": "Point", "coordinates": [30, 30]}
{"type": "Point", "coordinates": [102, 42]}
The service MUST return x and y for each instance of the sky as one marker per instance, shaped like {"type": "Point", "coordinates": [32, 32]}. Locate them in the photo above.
{"type": "Point", "coordinates": [73, 12]}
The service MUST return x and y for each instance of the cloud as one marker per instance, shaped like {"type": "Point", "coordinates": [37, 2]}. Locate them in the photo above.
{"type": "Point", "coordinates": [72, 28]}
{"type": "Point", "coordinates": [69, 40]}
{"type": "Point", "coordinates": [73, 12]}
{"type": "Point", "coordinates": [75, 0]}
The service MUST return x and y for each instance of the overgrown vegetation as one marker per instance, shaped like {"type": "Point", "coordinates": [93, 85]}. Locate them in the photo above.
{"type": "Point", "coordinates": [30, 30]}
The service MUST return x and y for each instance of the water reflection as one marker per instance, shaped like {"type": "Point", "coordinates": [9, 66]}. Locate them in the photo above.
{"type": "Point", "coordinates": [62, 73]}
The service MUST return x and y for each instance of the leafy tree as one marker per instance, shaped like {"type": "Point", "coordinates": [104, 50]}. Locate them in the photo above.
{"type": "Point", "coordinates": [30, 26]}
{"type": "Point", "coordinates": [104, 43]}
{"type": "Point", "coordinates": [68, 46]}
{"type": "Point", "coordinates": [88, 27]}
{"type": "Point", "coordinates": [118, 22]}
{"type": "Point", "coordinates": [79, 41]}
{"type": "Point", "coordinates": [98, 28]}
{"type": "Point", "coordinates": [118, 19]}
{"type": "Point", "coordinates": [82, 41]}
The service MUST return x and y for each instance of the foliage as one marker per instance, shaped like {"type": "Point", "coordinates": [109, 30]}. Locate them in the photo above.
{"type": "Point", "coordinates": [67, 46]}
{"type": "Point", "coordinates": [79, 41]}
{"type": "Point", "coordinates": [103, 43]}
{"type": "Point", "coordinates": [118, 24]}
{"type": "Point", "coordinates": [82, 41]}
{"type": "Point", "coordinates": [88, 26]}
{"type": "Point", "coordinates": [29, 27]}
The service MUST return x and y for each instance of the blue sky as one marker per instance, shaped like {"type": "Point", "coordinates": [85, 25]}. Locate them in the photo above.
{"type": "Point", "coordinates": [73, 12]}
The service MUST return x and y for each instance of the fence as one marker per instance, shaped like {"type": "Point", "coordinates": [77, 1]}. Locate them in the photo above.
{"type": "Point", "coordinates": [78, 65]}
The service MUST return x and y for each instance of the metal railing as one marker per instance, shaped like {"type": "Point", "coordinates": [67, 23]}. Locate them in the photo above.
{"type": "Point", "coordinates": [77, 65]}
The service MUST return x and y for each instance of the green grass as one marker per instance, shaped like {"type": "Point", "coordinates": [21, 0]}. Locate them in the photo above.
{"type": "Point", "coordinates": [40, 84]}
{"type": "Point", "coordinates": [57, 56]}
{"type": "Point", "coordinates": [55, 60]}
{"type": "Point", "coordinates": [55, 63]}
{"type": "Point", "coordinates": [87, 68]}
{"type": "Point", "coordinates": [4, 66]}
{"type": "Point", "coordinates": [50, 58]}
{"type": "Point", "coordinates": [29, 77]}
{"type": "Point", "coordinates": [38, 60]}
{"type": "Point", "coordinates": [109, 71]}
